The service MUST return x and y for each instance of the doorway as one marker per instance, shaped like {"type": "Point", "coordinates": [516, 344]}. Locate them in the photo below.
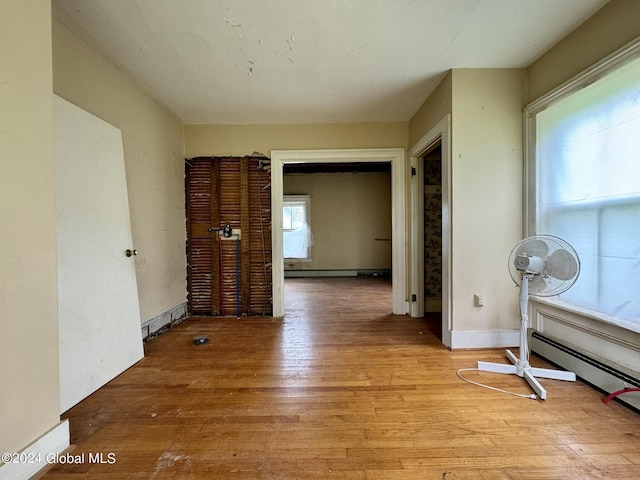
{"type": "Point", "coordinates": [436, 143]}
{"type": "Point", "coordinates": [395, 156]}
{"type": "Point", "coordinates": [341, 222]}
{"type": "Point", "coordinates": [432, 228]}
{"type": "Point", "coordinates": [432, 235]}
{"type": "Point", "coordinates": [343, 231]}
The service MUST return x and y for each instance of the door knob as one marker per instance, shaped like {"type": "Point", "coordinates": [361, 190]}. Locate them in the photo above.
{"type": "Point", "coordinates": [128, 252]}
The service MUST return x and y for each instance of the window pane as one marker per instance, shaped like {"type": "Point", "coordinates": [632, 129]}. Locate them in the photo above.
{"type": "Point", "coordinates": [588, 188]}
{"type": "Point", "coordinates": [297, 238]}
{"type": "Point", "coordinates": [286, 217]}
{"type": "Point", "coordinates": [297, 242]}
{"type": "Point", "coordinates": [297, 216]}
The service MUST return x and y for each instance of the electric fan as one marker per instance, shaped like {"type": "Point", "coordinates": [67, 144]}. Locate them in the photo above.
{"type": "Point", "coordinates": [542, 265]}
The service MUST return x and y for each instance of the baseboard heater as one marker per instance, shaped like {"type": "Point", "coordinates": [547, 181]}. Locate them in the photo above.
{"type": "Point", "coordinates": [161, 323]}
{"type": "Point", "coordinates": [336, 273]}
{"type": "Point", "coordinates": [598, 372]}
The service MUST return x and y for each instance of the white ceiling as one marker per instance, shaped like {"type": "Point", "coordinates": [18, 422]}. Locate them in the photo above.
{"type": "Point", "coordinates": [308, 61]}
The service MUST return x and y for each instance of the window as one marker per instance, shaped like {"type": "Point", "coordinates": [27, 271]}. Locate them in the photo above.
{"type": "Point", "coordinates": [296, 227]}
{"type": "Point", "coordinates": [584, 167]}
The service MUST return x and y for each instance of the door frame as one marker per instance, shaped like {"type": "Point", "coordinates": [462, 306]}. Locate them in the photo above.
{"type": "Point", "coordinates": [396, 156]}
{"type": "Point", "coordinates": [441, 132]}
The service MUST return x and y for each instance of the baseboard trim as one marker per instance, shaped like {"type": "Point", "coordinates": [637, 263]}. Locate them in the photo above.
{"type": "Point", "coordinates": [336, 273]}
{"type": "Point", "coordinates": [432, 305]}
{"type": "Point", "coordinates": [485, 339]}
{"type": "Point", "coordinates": [165, 320]}
{"type": "Point", "coordinates": [39, 455]}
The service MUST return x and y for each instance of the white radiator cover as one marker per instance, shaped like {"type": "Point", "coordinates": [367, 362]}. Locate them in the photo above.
{"type": "Point", "coordinates": [605, 355]}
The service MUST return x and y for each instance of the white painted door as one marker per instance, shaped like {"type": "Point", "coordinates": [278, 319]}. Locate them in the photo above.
{"type": "Point", "coordinates": [99, 317]}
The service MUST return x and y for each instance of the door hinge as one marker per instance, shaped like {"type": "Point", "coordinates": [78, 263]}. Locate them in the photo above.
{"type": "Point", "coordinates": [413, 171]}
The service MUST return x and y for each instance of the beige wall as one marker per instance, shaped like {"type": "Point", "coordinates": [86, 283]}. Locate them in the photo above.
{"type": "Point", "coordinates": [486, 194]}
{"type": "Point", "coordinates": [434, 109]}
{"type": "Point", "coordinates": [154, 161]}
{"type": "Point", "coordinates": [486, 188]}
{"type": "Point", "coordinates": [348, 213]}
{"type": "Point", "coordinates": [29, 400]}
{"type": "Point", "coordinates": [616, 24]}
{"type": "Point", "coordinates": [487, 158]}
{"type": "Point", "coordinates": [240, 140]}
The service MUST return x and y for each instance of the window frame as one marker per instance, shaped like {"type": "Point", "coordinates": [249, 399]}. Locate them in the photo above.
{"type": "Point", "coordinates": [599, 70]}
{"type": "Point", "coordinates": [628, 53]}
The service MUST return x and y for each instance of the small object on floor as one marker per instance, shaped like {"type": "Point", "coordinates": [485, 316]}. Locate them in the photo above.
{"type": "Point", "coordinates": [200, 339]}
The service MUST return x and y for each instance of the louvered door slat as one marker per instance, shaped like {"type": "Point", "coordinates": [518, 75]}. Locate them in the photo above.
{"type": "Point", "coordinates": [199, 245]}
{"type": "Point", "coordinates": [229, 276]}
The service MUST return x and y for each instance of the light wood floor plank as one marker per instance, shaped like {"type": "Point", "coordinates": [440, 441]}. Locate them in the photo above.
{"type": "Point", "coordinates": [339, 388]}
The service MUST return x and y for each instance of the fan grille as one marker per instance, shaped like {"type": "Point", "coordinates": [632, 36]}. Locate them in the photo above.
{"type": "Point", "coordinates": [561, 265]}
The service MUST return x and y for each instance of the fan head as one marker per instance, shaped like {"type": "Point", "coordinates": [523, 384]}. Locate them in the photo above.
{"type": "Point", "coordinates": [552, 264]}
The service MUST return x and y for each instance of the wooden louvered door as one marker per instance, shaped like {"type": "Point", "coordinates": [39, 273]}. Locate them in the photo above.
{"type": "Point", "coordinates": [230, 203]}
{"type": "Point", "coordinates": [202, 246]}
{"type": "Point", "coordinates": [229, 275]}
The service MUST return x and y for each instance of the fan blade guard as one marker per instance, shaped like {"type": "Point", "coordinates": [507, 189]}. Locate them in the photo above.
{"type": "Point", "coordinates": [560, 264]}
{"type": "Point", "coordinates": [537, 285]}
{"type": "Point", "coordinates": [533, 247]}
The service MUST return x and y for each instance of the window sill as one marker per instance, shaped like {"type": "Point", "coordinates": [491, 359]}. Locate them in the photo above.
{"type": "Point", "coordinates": [585, 312]}
{"type": "Point", "coordinates": [587, 331]}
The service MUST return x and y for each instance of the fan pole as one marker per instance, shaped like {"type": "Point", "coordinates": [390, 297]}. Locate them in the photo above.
{"type": "Point", "coordinates": [520, 366]}
{"type": "Point", "coordinates": [524, 325]}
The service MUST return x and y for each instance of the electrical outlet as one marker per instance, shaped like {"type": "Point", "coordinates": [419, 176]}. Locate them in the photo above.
{"type": "Point", "coordinates": [478, 300]}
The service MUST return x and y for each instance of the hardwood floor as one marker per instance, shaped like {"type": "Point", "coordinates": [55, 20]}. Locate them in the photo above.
{"type": "Point", "coordinates": [339, 389]}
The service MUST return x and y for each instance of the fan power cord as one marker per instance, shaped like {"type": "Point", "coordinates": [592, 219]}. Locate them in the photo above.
{"type": "Point", "coordinates": [533, 396]}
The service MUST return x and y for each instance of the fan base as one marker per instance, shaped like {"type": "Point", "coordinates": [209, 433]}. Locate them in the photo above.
{"type": "Point", "coordinates": [527, 372]}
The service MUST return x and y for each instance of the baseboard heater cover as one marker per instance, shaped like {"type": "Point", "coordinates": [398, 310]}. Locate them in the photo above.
{"type": "Point", "coordinates": [161, 323]}
{"type": "Point", "coordinates": [597, 372]}
{"type": "Point", "coordinates": [336, 273]}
